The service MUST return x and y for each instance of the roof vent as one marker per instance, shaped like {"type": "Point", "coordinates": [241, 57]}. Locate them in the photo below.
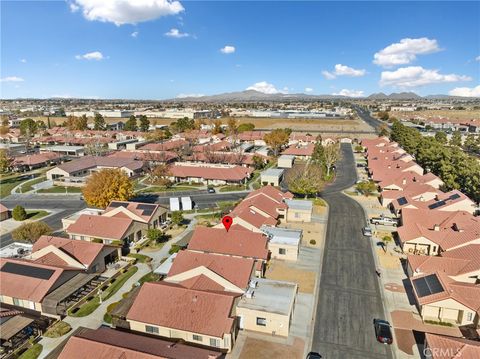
{"type": "Point", "coordinates": [253, 283]}
{"type": "Point", "coordinates": [436, 227]}
{"type": "Point", "coordinates": [249, 293]}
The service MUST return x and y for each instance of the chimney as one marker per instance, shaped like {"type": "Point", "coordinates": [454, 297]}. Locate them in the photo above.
{"type": "Point", "coordinates": [404, 181]}
{"type": "Point", "coordinates": [436, 228]}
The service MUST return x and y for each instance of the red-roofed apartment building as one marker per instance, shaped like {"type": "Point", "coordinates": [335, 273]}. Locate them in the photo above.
{"type": "Point", "coordinates": [172, 311]}
{"type": "Point", "coordinates": [429, 232]}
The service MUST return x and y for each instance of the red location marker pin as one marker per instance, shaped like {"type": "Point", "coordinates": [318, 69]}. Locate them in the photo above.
{"type": "Point", "coordinates": [227, 222]}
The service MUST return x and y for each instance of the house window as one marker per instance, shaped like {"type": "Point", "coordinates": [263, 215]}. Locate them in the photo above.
{"type": "Point", "coordinates": [198, 338]}
{"type": "Point", "coordinates": [469, 316]}
{"type": "Point", "coordinates": [434, 249]}
{"type": "Point", "coordinates": [82, 238]}
{"type": "Point", "coordinates": [16, 301]}
{"type": "Point", "coordinates": [214, 342]}
{"type": "Point", "coordinates": [282, 251]}
{"type": "Point", "coordinates": [150, 329]}
{"type": "Point", "coordinates": [262, 322]}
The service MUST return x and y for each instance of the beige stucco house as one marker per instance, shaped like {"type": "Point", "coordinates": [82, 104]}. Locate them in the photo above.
{"type": "Point", "coordinates": [299, 210]}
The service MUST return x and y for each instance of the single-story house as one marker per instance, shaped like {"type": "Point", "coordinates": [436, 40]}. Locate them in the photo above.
{"type": "Point", "coordinates": [302, 152]}
{"type": "Point", "coordinates": [440, 298]}
{"type": "Point", "coordinates": [106, 342]}
{"type": "Point", "coordinates": [213, 174]}
{"type": "Point", "coordinates": [272, 177]}
{"type": "Point", "coordinates": [299, 210]}
{"type": "Point", "coordinates": [172, 311]}
{"type": "Point", "coordinates": [267, 307]}
{"type": "Point", "coordinates": [87, 256]}
{"type": "Point", "coordinates": [150, 214]}
{"type": "Point", "coordinates": [71, 151]}
{"type": "Point", "coordinates": [37, 160]}
{"type": "Point", "coordinates": [283, 243]}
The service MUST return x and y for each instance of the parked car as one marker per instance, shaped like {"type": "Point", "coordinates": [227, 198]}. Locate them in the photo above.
{"type": "Point", "coordinates": [211, 190]}
{"type": "Point", "coordinates": [313, 355]}
{"type": "Point", "coordinates": [383, 331]}
{"type": "Point", "coordinates": [386, 221]}
{"type": "Point", "coordinates": [367, 231]}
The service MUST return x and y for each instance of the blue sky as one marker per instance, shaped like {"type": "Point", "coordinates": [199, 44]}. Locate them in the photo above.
{"type": "Point", "coordinates": [82, 48]}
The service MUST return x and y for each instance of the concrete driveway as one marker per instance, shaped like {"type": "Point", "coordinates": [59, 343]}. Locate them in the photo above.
{"type": "Point", "coordinates": [349, 295]}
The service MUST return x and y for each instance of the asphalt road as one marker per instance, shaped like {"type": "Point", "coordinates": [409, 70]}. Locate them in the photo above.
{"type": "Point", "coordinates": [64, 205]}
{"type": "Point", "coordinates": [349, 293]}
{"type": "Point", "coordinates": [365, 115]}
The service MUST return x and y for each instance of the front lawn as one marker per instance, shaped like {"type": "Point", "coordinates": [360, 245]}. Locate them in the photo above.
{"type": "Point", "coordinates": [149, 277]}
{"type": "Point", "coordinates": [9, 183]}
{"type": "Point", "coordinates": [233, 187]}
{"type": "Point", "coordinates": [60, 189]}
{"type": "Point", "coordinates": [33, 352]}
{"type": "Point", "coordinates": [28, 186]}
{"type": "Point", "coordinates": [156, 189]}
{"type": "Point", "coordinates": [36, 214]}
{"type": "Point", "coordinates": [57, 330]}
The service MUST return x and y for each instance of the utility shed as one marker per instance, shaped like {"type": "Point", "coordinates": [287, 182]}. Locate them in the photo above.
{"type": "Point", "coordinates": [299, 210]}
{"type": "Point", "coordinates": [267, 306]}
{"type": "Point", "coordinates": [272, 177]}
{"type": "Point", "coordinates": [285, 161]}
{"type": "Point", "coordinates": [283, 243]}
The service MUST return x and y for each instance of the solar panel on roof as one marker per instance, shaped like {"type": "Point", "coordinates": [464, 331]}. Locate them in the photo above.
{"type": "Point", "coordinates": [146, 206]}
{"type": "Point", "coordinates": [118, 204]}
{"type": "Point", "coordinates": [454, 196]}
{"type": "Point", "coordinates": [427, 285]}
{"type": "Point", "coordinates": [402, 201]}
{"type": "Point", "coordinates": [437, 204]}
{"type": "Point", "coordinates": [27, 271]}
{"type": "Point", "coordinates": [147, 212]}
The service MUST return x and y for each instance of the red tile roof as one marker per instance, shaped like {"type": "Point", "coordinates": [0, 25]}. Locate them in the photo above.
{"type": "Point", "coordinates": [3, 209]}
{"type": "Point", "coordinates": [83, 251]}
{"type": "Point", "coordinates": [165, 146]}
{"type": "Point", "coordinates": [173, 306]}
{"type": "Point", "coordinates": [100, 226]}
{"type": "Point", "coordinates": [443, 347]}
{"type": "Point", "coordinates": [136, 208]}
{"type": "Point", "coordinates": [235, 270]}
{"type": "Point", "coordinates": [157, 156]}
{"type": "Point", "coordinates": [36, 159]}
{"type": "Point", "coordinates": [298, 150]}
{"type": "Point", "coordinates": [234, 173]}
{"type": "Point", "coordinates": [88, 162]}
{"type": "Point", "coordinates": [106, 343]}
{"type": "Point", "coordinates": [25, 286]}
{"type": "Point", "coordinates": [234, 242]}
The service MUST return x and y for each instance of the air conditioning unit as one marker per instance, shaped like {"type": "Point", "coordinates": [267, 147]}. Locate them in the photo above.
{"type": "Point", "coordinates": [253, 283]}
{"type": "Point", "coordinates": [249, 293]}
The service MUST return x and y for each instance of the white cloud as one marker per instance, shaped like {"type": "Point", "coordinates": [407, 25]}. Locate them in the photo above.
{"type": "Point", "coordinates": [477, 58]}
{"type": "Point", "coordinates": [266, 88]}
{"type": "Point", "coordinates": [176, 33]}
{"type": "Point", "coordinates": [343, 70]}
{"type": "Point", "coordinates": [183, 95]}
{"type": "Point", "coordinates": [228, 49]}
{"type": "Point", "coordinates": [11, 79]}
{"type": "Point", "coordinates": [349, 93]}
{"type": "Point", "coordinates": [405, 51]}
{"type": "Point", "coordinates": [126, 11]}
{"type": "Point", "coordinates": [308, 89]}
{"type": "Point", "coordinates": [134, 34]}
{"type": "Point", "coordinates": [465, 91]}
{"type": "Point", "coordinates": [95, 55]}
{"type": "Point", "coordinates": [413, 76]}
{"type": "Point", "coordinates": [23, 61]}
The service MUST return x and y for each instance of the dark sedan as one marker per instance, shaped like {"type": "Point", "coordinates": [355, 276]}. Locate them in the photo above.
{"type": "Point", "coordinates": [383, 331]}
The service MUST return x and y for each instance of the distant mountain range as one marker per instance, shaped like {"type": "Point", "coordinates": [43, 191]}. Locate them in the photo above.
{"type": "Point", "coordinates": [254, 96]}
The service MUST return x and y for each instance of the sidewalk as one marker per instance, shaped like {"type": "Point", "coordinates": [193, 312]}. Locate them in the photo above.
{"type": "Point", "coordinates": [95, 319]}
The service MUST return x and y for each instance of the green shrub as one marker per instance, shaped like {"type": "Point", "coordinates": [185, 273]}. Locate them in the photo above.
{"type": "Point", "coordinates": [33, 352]}
{"type": "Point", "coordinates": [97, 240]}
{"type": "Point", "coordinates": [313, 242]}
{"type": "Point", "coordinates": [174, 249]}
{"type": "Point", "coordinates": [58, 329]}
{"type": "Point", "coordinates": [19, 213]}
{"type": "Point", "coordinates": [30, 232]}
{"type": "Point", "coordinates": [445, 324]}
{"type": "Point", "coordinates": [154, 234]}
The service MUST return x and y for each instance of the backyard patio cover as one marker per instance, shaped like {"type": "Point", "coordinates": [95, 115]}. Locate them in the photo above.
{"type": "Point", "coordinates": [9, 328]}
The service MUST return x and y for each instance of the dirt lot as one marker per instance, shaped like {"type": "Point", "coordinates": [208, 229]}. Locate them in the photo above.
{"type": "Point", "coordinates": [388, 260]}
{"type": "Point", "coordinates": [313, 125]}
{"type": "Point", "coordinates": [311, 231]}
{"type": "Point", "coordinates": [454, 115]}
{"type": "Point", "coordinates": [280, 270]}
{"type": "Point", "coordinates": [261, 349]}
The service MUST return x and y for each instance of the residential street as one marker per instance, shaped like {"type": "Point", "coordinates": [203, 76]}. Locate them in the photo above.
{"type": "Point", "coordinates": [349, 295]}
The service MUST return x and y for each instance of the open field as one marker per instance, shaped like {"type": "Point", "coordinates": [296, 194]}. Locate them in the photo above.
{"type": "Point", "coordinates": [453, 115]}
{"type": "Point", "coordinates": [314, 125]}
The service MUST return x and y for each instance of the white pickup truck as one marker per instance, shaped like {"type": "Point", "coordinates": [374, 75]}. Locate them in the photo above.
{"type": "Point", "coordinates": [386, 221]}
